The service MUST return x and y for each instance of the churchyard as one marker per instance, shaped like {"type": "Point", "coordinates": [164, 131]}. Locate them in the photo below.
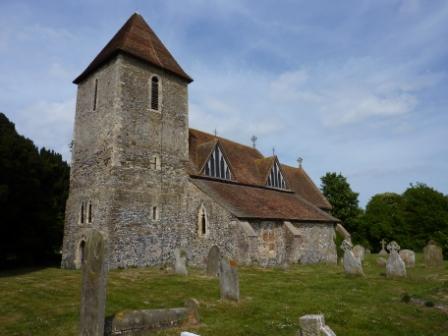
{"type": "Point", "coordinates": [47, 301]}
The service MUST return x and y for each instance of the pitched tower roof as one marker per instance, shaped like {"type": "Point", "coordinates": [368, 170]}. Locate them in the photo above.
{"type": "Point", "coordinates": [137, 39]}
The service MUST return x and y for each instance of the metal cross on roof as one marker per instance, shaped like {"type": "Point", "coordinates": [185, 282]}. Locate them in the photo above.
{"type": "Point", "coordinates": [254, 140]}
{"type": "Point", "coordinates": [300, 160]}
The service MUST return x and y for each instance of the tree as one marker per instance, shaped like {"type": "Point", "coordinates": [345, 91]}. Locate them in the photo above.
{"type": "Point", "coordinates": [426, 215]}
{"type": "Point", "coordinates": [383, 218]}
{"type": "Point", "coordinates": [33, 190]}
{"type": "Point", "coordinates": [344, 201]}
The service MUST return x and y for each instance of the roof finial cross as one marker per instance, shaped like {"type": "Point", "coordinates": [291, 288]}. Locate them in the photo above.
{"type": "Point", "coordinates": [254, 140]}
{"type": "Point", "coordinates": [216, 132]}
{"type": "Point", "coordinates": [300, 160]}
{"type": "Point", "coordinates": [273, 151]}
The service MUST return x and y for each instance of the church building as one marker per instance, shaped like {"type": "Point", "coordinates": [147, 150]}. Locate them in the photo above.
{"type": "Point", "coordinates": [151, 184]}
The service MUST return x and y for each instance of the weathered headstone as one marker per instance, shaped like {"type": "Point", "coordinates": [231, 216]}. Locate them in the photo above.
{"type": "Point", "coordinates": [186, 333]}
{"type": "Point", "coordinates": [359, 252]}
{"type": "Point", "coordinates": [180, 262]}
{"type": "Point", "coordinates": [383, 252]}
{"type": "Point", "coordinates": [137, 322]}
{"type": "Point", "coordinates": [93, 288]}
{"type": "Point", "coordinates": [314, 325]}
{"type": "Point", "coordinates": [213, 258]}
{"type": "Point", "coordinates": [368, 252]}
{"type": "Point", "coordinates": [228, 280]}
{"type": "Point", "coordinates": [395, 266]}
{"type": "Point", "coordinates": [408, 256]}
{"type": "Point", "coordinates": [433, 255]}
{"type": "Point", "coordinates": [352, 265]}
{"type": "Point", "coordinates": [380, 261]}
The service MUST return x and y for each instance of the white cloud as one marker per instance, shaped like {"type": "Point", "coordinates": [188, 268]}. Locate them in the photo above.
{"type": "Point", "coordinates": [48, 124]}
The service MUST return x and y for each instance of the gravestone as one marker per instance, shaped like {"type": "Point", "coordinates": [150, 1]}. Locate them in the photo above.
{"type": "Point", "coordinates": [314, 325]}
{"type": "Point", "coordinates": [381, 262]}
{"type": "Point", "coordinates": [352, 264]}
{"type": "Point", "coordinates": [228, 280]}
{"type": "Point", "coordinates": [139, 322]}
{"type": "Point", "coordinates": [408, 256]}
{"type": "Point", "coordinates": [383, 252]}
{"type": "Point", "coordinates": [343, 232]}
{"type": "Point", "coordinates": [359, 252]}
{"type": "Point", "coordinates": [433, 254]}
{"type": "Point", "coordinates": [93, 287]}
{"type": "Point", "coordinates": [213, 258]}
{"type": "Point", "coordinates": [395, 266]}
{"type": "Point", "coordinates": [180, 262]}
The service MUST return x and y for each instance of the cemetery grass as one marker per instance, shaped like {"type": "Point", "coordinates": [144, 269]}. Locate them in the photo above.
{"type": "Point", "coordinates": [46, 301]}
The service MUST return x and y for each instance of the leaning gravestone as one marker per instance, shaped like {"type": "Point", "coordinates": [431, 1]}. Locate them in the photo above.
{"type": "Point", "coordinates": [352, 264]}
{"type": "Point", "coordinates": [213, 258]}
{"type": "Point", "coordinates": [408, 257]}
{"type": "Point", "coordinates": [93, 288]}
{"type": "Point", "coordinates": [383, 252]}
{"type": "Point", "coordinates": [180, 262]}
{"type": "Point", "coordinates": [433, 255]}
{"type": "Point", "coordinates": [395, 266]}
{"type": "Point", "coordinates": [228, 280]}
{"type": "Point", "coordinates": [359, 252]}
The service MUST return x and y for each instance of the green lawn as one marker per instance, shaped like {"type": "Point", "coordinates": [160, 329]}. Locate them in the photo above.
{"type": "Point", "coordinates": [46, 301]}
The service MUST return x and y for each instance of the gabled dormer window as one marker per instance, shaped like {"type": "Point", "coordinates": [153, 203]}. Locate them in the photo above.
{"type": "Point", "coordinates": [217, 166]}
{"type": "Point", "coordinates": [275, 178]}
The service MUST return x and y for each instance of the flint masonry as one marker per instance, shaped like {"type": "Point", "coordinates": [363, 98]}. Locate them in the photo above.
{"type": "Point", "coordinates": [151, 184]}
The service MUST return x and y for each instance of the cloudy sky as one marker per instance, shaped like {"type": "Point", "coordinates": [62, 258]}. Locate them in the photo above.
{"type": "Point", "coordinates": [358, 87]}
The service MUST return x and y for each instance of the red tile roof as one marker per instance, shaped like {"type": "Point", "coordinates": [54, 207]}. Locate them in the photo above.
{"type": "Point", "coordinates": [247, 195]}
{"type": "Point", "coordinates": [137, 39]}
{"type": "Point", "coordinates": [252, 202]}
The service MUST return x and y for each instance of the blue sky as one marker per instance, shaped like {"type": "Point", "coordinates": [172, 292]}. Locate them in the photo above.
{"type": "Point", "coordinates": [358, 87]}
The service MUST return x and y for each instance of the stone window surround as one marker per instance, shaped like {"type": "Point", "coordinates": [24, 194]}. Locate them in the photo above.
{"type": "Point", "coordinates": [160, 98]}
{"type": "Point", "coordinates": [156, 162]}
{"type": "Point", "coordinates": [85, 213]}
{"type": "Point", "coordinates": [202, 213]}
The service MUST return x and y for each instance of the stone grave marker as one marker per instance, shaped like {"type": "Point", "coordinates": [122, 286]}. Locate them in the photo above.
{"type": "Point", "coordinates": [180, 262]}
{"type": "Point", "coordinates": [359, 252]}
{"type": "Point", "coordinates": [213, 258]}
{"type": "Point", "coordinates": [138, 322]}
{"type": "Point", "coordinates": [408, 256]}
{"type": "Point", "coordinates": [380, 261]}
{"type": "Point", "coordinates": [433, 254]}
{"type": "Point", "coordinates": [352, 265]}
{"type": "Point", "coordinates": [395, 266]}
{"type": "Point", "coordinates": [383, 252]}
{"type": "Point", "coordinates": [228, 280]}
{"type": "Point", "coordinates": [93, 287]}
{"type": "Point", "coordinates": [314, 325]}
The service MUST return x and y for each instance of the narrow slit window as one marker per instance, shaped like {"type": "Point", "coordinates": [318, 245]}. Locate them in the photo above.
{"type": "Point", "coordinates": [155, 93]}
{"type": "Point", "coordinates": [81, 217]}
{"type": "Point", "coordinates": [95, 95]}
{"type": "Point", "coordinates": [82, 253]}
{"type": "Point", "coordinates": [202, 221]}
{"type": "Point", "coordinates": [155, 215]}
{"type": "Point", "coordinates": [275, 178]}
{"type": "Point", "coordinates": [89, 213]}
{"type": "Point", "coordinates": [217, 166]}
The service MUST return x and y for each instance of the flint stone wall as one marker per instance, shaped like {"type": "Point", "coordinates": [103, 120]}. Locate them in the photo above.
{"type": "Point", "coordinates": [112, 168]}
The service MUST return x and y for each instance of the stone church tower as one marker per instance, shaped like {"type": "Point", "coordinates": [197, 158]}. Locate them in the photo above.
{"type": "Point", "coordinates": [130, 149]}
{"type": "Point", "coordinates": [151, 184]}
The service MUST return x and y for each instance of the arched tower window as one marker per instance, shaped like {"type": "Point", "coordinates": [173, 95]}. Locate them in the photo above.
{"type": "Point", "coordinates": [275, 178]}
{"type": "Point", "coordinates": [217, 166]}
{"type": "Point", "coordinates": [89, 212]}
{"type": "Point", "coordinates": [155, 93]}
{"type": "Point", "coordinates": [82, 253]}
{"type": "Point", "coordinates": [202, 221]}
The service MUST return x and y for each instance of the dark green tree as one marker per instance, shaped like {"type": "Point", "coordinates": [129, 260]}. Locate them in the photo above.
{"type": "Point", "coordinates": [425, 212]}
{"type": "Point", "coordinates": [345, 202]}
{"type": "Point", "coordinates": [383, 218]}
{"type": "Point", "coordinates": [33, 190]}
